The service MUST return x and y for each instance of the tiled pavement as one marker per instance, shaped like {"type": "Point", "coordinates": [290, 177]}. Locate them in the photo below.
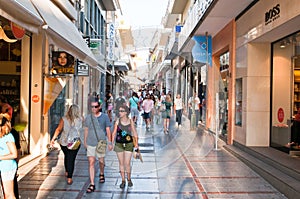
{"type": "Point", "coordinates": [181, 165]}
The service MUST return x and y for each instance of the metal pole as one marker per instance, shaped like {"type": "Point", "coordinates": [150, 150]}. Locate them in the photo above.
{"type": "Point", "coordinates": [206, 80]}
{"type": "Point", "coordinates": [217, 121]}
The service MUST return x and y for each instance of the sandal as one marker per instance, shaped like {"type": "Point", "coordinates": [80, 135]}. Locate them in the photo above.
{"type": "Point", "coordinates": [90, 189]}
{"type": "Point", "coordinates": [101, 178]}
{"type": "Point", "coordinates": [122, 185]}
{"type": "Point", "coordinates": [130, 184]}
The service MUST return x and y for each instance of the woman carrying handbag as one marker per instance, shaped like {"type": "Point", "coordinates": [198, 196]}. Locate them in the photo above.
{"type": "Point", "coordinates": [66, 123]}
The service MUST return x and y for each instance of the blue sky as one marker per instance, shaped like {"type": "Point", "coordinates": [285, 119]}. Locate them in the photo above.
{"type": "Point", "coordinates": [139, 13]}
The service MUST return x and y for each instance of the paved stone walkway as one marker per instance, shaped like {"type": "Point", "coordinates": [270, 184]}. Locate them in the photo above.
{"type": "Point", "coordinates": [181, 165]}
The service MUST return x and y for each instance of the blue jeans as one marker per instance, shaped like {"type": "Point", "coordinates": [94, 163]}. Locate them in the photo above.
{"type": "Point", "coordinates": [179, 116]}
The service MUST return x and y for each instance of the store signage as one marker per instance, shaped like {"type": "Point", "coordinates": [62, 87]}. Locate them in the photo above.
{"type": "Point", "coordinates": [202, 50]}
{"type": "Point", "coordinates": [272, 14]}
{"type": "Point", "coordinates": [62, 63]}
{"type": "Point", "coordinates": [95, 44]}
{"type": "Point", "coordinates": [82, 69]}
{"type": "Point", "coordinates": [280, 115]}
{"type": "Point", "coordinates": [17, 30]}
{"type": "Point", "coordinates": [35, 98]}
{"type": "Point", "coordinates": [111, 41]}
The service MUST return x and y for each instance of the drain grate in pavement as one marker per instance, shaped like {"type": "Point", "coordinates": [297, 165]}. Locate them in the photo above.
{"type": "Point", "coordinates": [146, 151]}
{"type": "Point", "coordinates": [145, 144]}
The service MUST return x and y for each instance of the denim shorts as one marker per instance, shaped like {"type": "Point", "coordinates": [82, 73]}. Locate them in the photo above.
{"type": "Point", "coordinates": [121, 147]}
{"type": "Point", "coordinates": [8, 175]}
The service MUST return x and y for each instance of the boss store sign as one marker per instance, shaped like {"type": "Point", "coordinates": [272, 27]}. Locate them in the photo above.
{"type": "Point", "coordinates": [272, 14]}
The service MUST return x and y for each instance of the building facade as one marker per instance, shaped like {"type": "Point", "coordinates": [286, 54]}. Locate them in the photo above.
{"type": "Point", "coordinates": [254, 60]}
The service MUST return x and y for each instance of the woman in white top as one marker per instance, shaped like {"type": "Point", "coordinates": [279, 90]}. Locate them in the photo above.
{"type": "Point", "coordinates": [71, 120]}
{"type": "Point", "coordinates": [178, 107]}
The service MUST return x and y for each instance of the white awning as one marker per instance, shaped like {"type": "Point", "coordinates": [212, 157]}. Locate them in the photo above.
{"type": "Point", "coordinates": [21, 12]}
{"type": "Point", "coordinates": [63, 33]}
{"type": "Point", "coordinates": [121, 66]}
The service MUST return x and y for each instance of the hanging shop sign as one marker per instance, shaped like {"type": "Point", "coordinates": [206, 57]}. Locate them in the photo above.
{"type": "Point", "coordinates": [111, 41]}
{"type": "Point", "coordinates": [202, 50]}
{"type": "Point", "coordinates": [53, 87]}
{"type": "Point", "coordinates": [17, 30]}
{"type": "Point", "coordinates": [62, 63]}
{"type": "Point", "coordinates": [82, 69]}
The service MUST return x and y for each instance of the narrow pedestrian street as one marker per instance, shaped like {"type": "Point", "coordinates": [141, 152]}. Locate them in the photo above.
{"type": "Point", "coordinates": [182, 164]}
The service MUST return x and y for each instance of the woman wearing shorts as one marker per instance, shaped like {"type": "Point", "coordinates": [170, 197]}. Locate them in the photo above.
{"type": "Point", "coordinates": [8, 154]}
{"type": "Point", "coordinates": [123, 134]}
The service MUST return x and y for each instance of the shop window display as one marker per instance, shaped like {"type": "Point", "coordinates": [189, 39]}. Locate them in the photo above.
{"type": "Point", "coordinates": [223, 95]}
{"type": "Point", "coordinates": [238, 101]}
{"type": "Point", "coordinates": [285, 131]}
{"type": "Point", "coordinates": [12, 71]}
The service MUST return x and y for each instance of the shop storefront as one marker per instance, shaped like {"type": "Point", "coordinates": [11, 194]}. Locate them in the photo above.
{"type": "Point", "coordinates": [266, 75]}
{"type": "Point", "coordinates": [19, 24]}
{"type": "Point", "coordinates": [219, 97]}
{"type": "Point", "coordinates": [27, 80]}
{"type": "Point", "coordinates": [285, 132]}
{"type": "Point", "coordinates": [14, 76]}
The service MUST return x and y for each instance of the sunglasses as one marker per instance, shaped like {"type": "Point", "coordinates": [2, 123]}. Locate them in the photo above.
{"type": "Point", "coordinates": [95, 106]}
{"type": "Point", "coordinates": [122, 111]}
{"type": "Point", "coordinates": [3, 121]}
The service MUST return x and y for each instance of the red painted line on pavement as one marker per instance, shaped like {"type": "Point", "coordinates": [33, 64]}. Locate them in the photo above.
{"type": "Point", "coordinates": [192, 171]}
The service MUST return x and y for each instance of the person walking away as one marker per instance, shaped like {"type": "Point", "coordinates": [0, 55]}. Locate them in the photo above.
{"type": "Point", "coordinates": [147, 106]}
{"type": "Point", "coordinates": [153, 109]}
{"type": "Point", "coordinates": [158, 108]}
{"type": "Point", "coordinates": [96, 126]}
{"type": "Point", "coordinates": [194, 104]}
{"type": "Point", "coordinates": [119, 102]}
{"type": "Point", "coordinates": [125, 139]}
{"type": "Point", "coordinates": [72, 120]}
{"type": "Point", "coordinates": [109, 102]}
{"type": "Point", "coordinates": [178, 107]}
{"type": "Point", "coordinates": [8, 154]}
{"type": "Point", "coordinates": [167, 114]}
{"type": "Point", "coordinates": [134, 107]}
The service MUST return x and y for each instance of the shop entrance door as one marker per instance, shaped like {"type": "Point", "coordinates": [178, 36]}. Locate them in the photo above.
{"type": "Point", "coordinates": [285, 129]}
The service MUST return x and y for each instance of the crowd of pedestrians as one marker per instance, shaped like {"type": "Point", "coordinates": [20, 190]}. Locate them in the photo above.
{"type": "Point", "coordinates": [114, 128]}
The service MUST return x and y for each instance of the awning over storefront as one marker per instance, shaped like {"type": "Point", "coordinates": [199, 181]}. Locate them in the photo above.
{"type": "Point", "coordinates": [63, 33]}
{"type": "Point", "coordinates": [21, 12]}
{"type": "Point", "coordinates": [174, 51]}
{"type": "Point", "coordinates": [121, 66]}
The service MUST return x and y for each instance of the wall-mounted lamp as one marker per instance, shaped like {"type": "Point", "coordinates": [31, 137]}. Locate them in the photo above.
{"type": "Point", "coordinates": [282, 44]}
{"type": "Point", "coordinates": [45, 26]}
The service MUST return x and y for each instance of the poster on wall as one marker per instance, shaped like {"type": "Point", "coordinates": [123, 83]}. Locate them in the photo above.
{"type": "Point", "coordinates": [62, 63]}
